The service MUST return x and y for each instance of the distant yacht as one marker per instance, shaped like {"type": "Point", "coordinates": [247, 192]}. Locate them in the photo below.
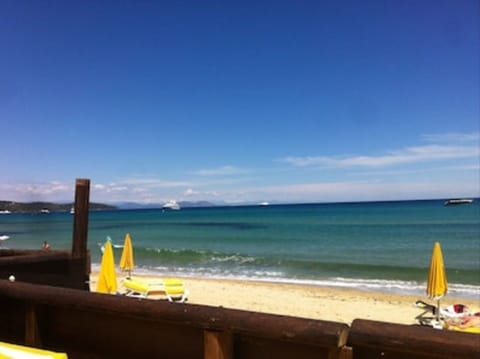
{"type": "Point", "coordinates": [72, 210]}
{"type": "Point", "coordinates": [457, 201]}
{"type": "Point", "coordinates": [5, 211]}
{"type": "Point", "coordinates": [264, 204]}
{"type": "Point", "coordinates": [4, 237]}
{"type": "Point", "coordinates": [44, 211]}
{"type": "Point", "coordinates": [171, 205]}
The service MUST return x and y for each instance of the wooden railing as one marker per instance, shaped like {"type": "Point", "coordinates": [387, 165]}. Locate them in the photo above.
{"type": "Point", "coordinates": [370, 339]}
{"type": "Point", "coordinates": [91, 325]}
{"type": "Point", "coordinates": [57, 268]}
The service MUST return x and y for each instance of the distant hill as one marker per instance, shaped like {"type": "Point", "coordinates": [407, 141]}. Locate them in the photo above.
{"type": "Point", "coordinates": [185, 204]}
{"type": "Point", "coordinates": [36, 207]}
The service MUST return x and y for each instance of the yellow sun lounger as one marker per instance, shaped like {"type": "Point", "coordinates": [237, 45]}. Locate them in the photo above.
{"type": "Point", "coordinates": [13, 351]}
{"type": "Point", "coordinates": [172, 288]}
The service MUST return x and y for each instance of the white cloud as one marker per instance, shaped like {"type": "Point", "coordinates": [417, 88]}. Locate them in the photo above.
{"type": "Point", "coordinates": [201, 195]}
{"type": "Point", "coordinates": [46, 191]}
{"type": "Point", "coordinates": [453, 137]}
{"type": "Point", "coordinates": [190, 192]}
{"type": "Point", "coordinates": [445, 146]}
{"type": "Point", "coordinates": [422, 170]}
{"type": "Point", "coordinates": [221, 171]}
{"type": "Point", "coordinates": [153, 182]}
{"type": "Point", "coordinates": [108, 188]}
{"type": "Point", "coordinates": [405, 156]}
{"type": "Point", "coordinates": [365, 191]}
{"type": "Point", "coordinates": [139, 190]}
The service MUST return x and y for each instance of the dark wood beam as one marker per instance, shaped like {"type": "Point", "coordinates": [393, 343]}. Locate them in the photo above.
{"type": "Point", "coordinates": [80, 221]}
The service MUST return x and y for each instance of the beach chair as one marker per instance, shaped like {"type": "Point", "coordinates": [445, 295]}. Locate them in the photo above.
{"type": "Point", "coordinates": [172, 288]}
{"type": "Point", "coordinates": [448, 315]}
{"type": "Point", "coordinates": [429, 315]}
{"type": "Point", "coordinates": [450, 312]}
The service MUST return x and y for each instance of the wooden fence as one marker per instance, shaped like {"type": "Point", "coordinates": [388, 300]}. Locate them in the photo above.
{"type": "Point", "coordinates": [371, 339]}
{"type": "Point", "coordinates": [57, 268]}
{"type": "Point", "coordinates": [91, 325]}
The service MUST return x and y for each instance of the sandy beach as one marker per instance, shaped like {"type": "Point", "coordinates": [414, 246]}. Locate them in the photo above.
{"type": "Point", "coordinates": [340, 305]}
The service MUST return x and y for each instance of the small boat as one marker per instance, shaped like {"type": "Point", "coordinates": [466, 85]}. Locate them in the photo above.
{"type": "Point", "coordinates": [44, 211]}
{"type": "Point", "coordinates": [5, 211]}
{"type": "Point", "coordinates": [72, 210]}
{"type": "Point", "coordinates": [264, 204]}
{"type": "Point", "coordinates": [4, 237]}
{"type": "Point", "coordinates": [457, 201]}
{"type": "Point", "coordinates": [171, 205]}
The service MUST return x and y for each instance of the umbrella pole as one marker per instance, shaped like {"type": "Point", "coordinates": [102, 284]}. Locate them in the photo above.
{"type": "Point", "coordinates": [438, 310]}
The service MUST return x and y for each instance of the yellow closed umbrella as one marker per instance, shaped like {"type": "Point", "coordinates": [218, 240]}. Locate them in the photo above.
{"type": "Point", "coordinates": [126, 261]}
{"type": "Point", "coordinates": [107, 278]}
{"type": "Point", "coordinates": [437, 278]}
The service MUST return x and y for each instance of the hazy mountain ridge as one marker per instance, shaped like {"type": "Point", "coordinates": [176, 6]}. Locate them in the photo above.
{"type": "Point", "coordinates": [36, 207]}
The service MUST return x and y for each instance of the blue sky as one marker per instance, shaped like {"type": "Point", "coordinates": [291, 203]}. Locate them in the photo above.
{"type": "Point", "coordinates": [238, 102]}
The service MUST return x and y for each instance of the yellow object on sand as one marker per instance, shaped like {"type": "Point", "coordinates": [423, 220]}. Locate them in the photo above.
{"type": "Point", "coordinates": [13, 351]}
{"type": "Point", "coordinates": [172, 288]}
{"type": "Point", "coordinates": [107, 278]}
{"type": "Point", "coordinates": [126, 261]}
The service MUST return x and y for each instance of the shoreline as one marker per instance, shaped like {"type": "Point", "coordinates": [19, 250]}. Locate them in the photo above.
{"type": "Point", "coordinates": [300, 300]}
{"type": "Point", "coordinates": [461, 292]}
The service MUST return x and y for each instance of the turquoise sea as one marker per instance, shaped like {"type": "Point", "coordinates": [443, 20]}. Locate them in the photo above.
{"type": "Point", "coordinates": [383, 246]}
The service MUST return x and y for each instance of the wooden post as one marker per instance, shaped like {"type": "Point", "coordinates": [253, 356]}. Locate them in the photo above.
{"type": "Point", "coordinates": [80, 221]}
{"type": "Point", "coordinates": [32, 335]}
{"type": "Point", "coordinates": [80, 228]}
{"type": "Point", "coordinates": [217, 345]}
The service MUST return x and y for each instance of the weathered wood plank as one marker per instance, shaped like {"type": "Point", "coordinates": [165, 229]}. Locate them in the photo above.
{"type": "Point", "coordinates": [73, 319]}
{"type": "Point", "coordinates": [53, 267]}
{"type": "Point", "coordinates": [32, 256]}
{"type": "Point", "coordinates": [371, 339]}
{"type": "Point", "coordinates": [32, 334]}
{"type": "Point", "coordinates": [211, 318]}
{"type": "Point", "coordinates": [256, 347]}
{"type": "Point", "coordinates": [345, 353]}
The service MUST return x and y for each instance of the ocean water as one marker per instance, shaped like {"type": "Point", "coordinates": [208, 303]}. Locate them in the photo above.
{"type": "Point", "coordinates": [382, 246]}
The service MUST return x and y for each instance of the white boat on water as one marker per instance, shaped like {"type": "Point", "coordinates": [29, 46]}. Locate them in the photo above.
{"type": "Point", "coordinates": [72, 210]}
{"type": "Point", "coordinates": [5, 211]}
{"type": "Point", "coordinates": [4, 237]}
{"type": "Point", "coordinates": [457, 201]}
{"type": "Point", "coordinates": [171, 205]}
{"type": "Point", "coordinates": [44, 211]}
{"type": "Point", "coordinates": [264, 204]}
